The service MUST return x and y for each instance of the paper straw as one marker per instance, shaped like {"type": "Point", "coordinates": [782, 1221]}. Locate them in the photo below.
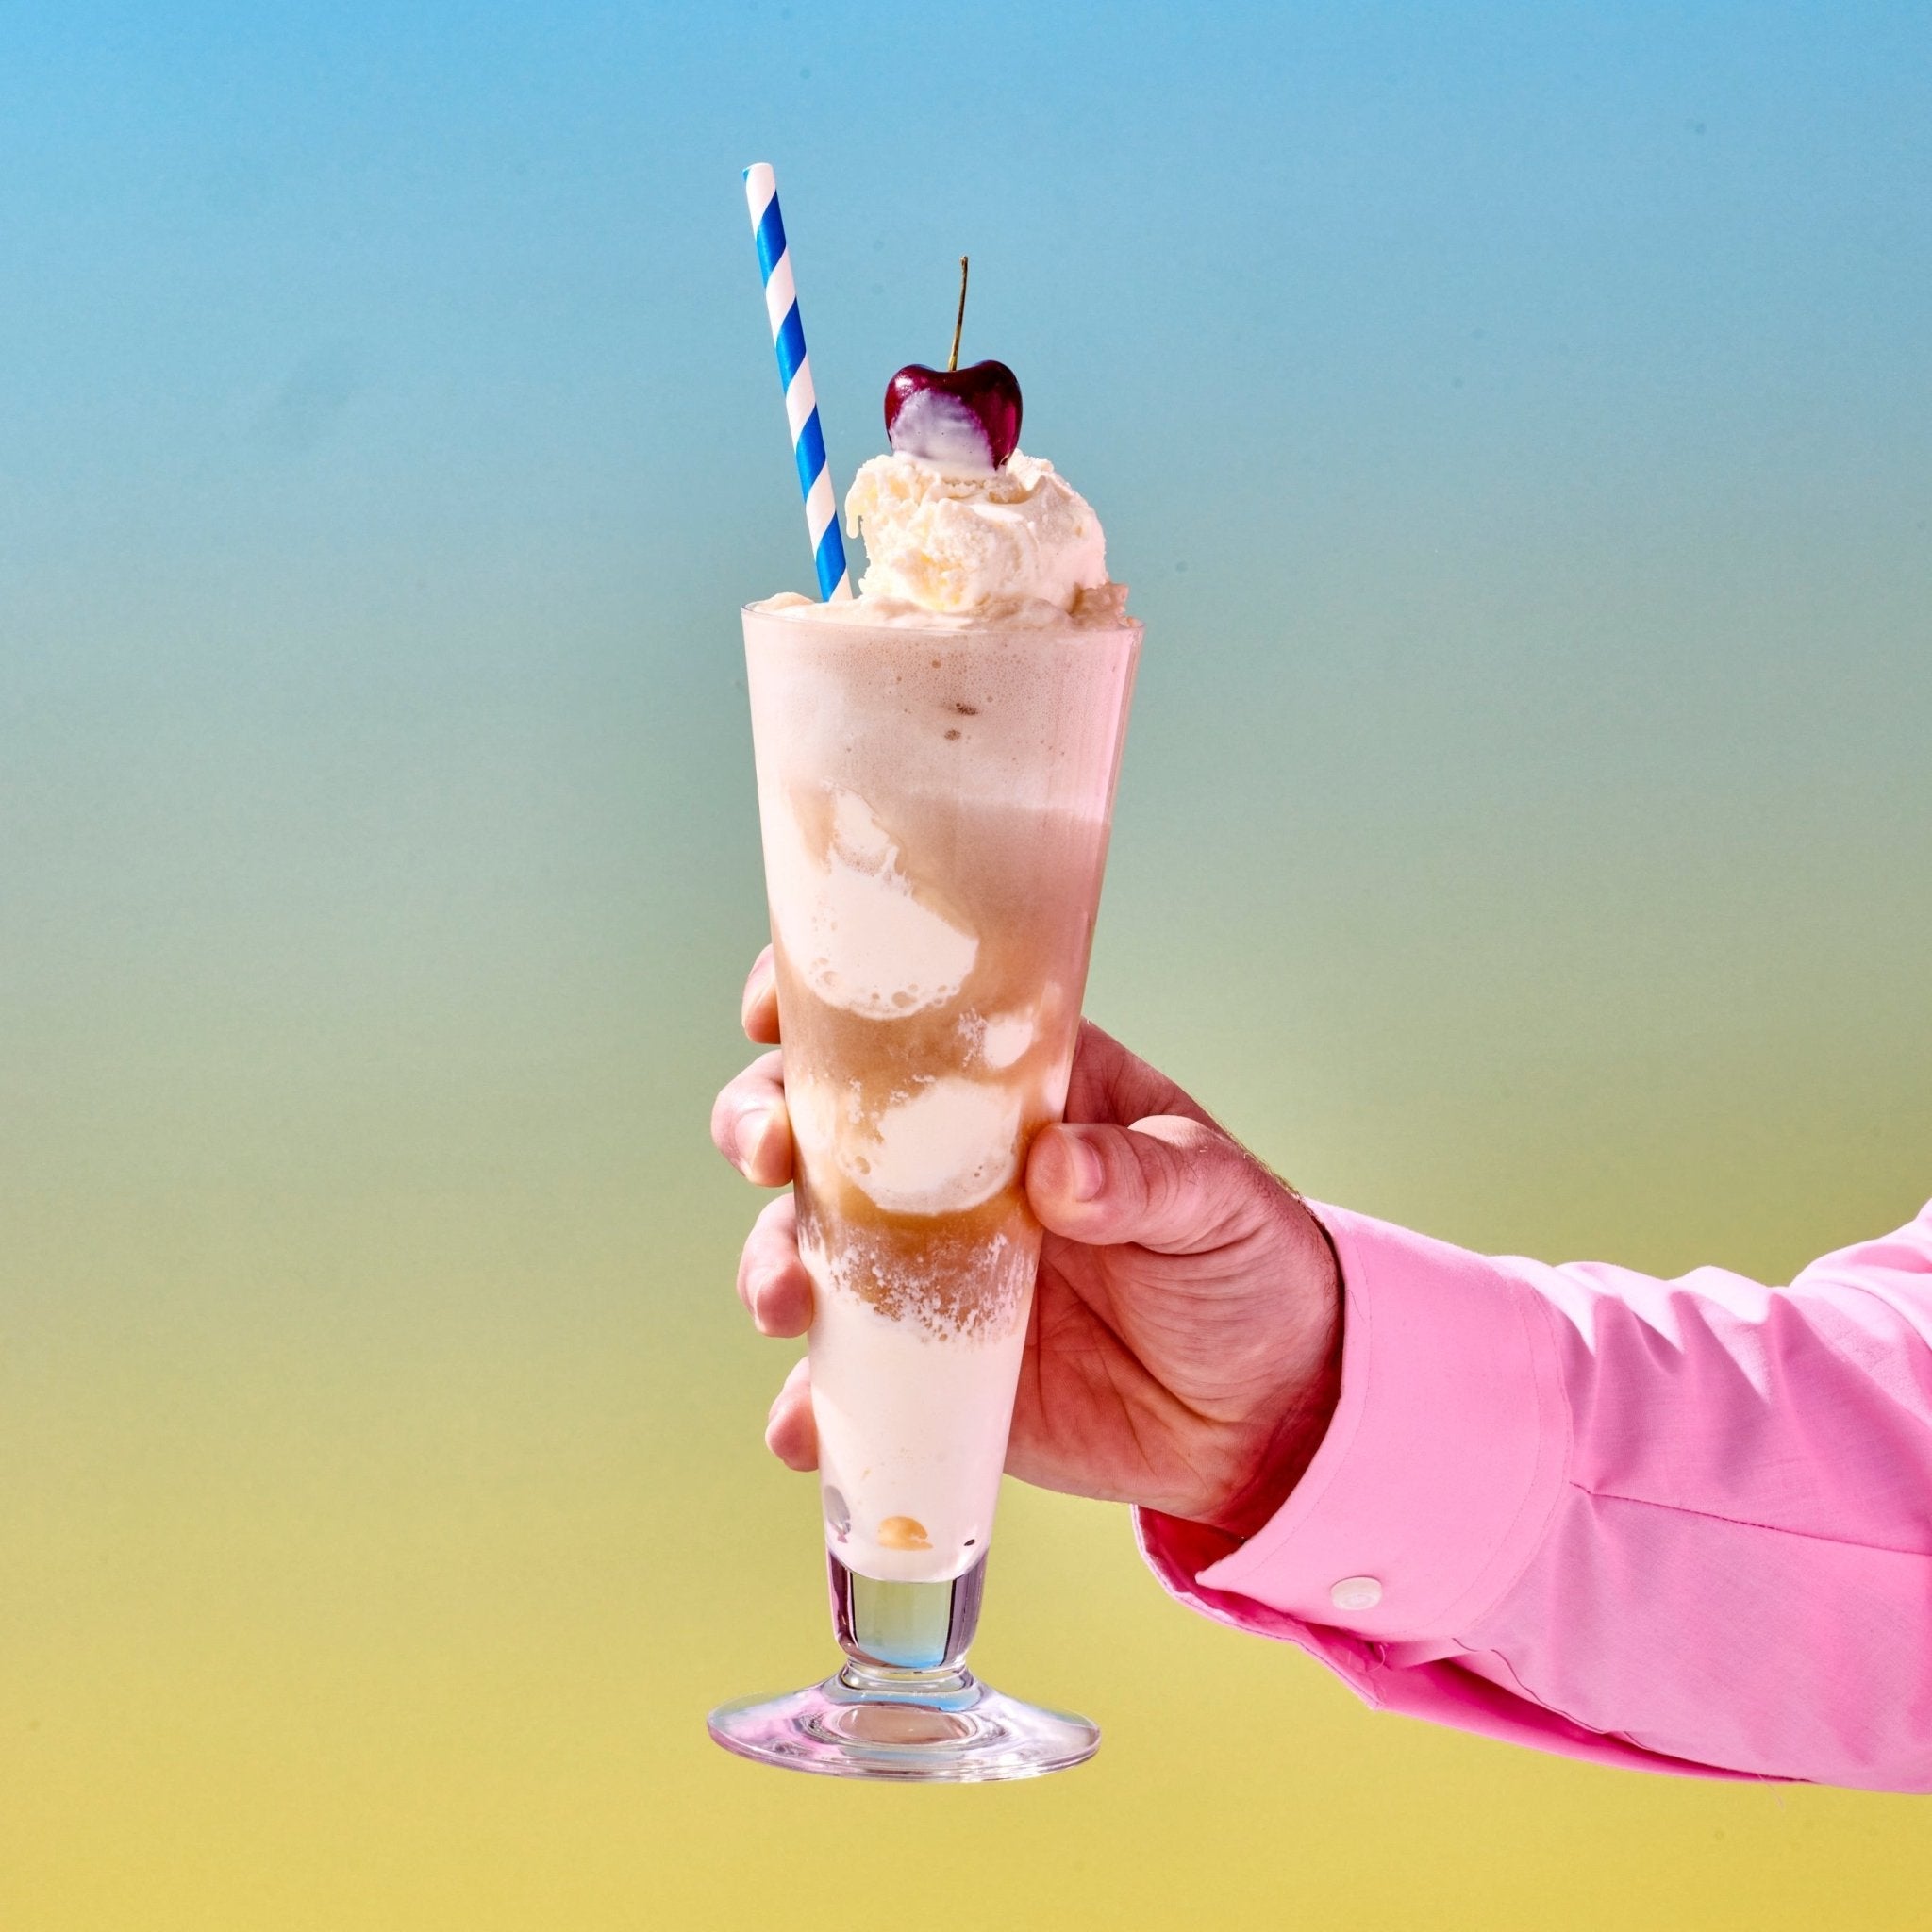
{"type": "Point", "coordinates": [794, 377]}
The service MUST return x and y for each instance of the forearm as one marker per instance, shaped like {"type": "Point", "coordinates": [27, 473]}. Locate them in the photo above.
{"type": "Point", "coordinates": [1685, 1526]}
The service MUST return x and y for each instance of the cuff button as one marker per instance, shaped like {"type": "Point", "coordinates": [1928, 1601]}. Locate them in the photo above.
{"type": "Point", "coordinates": [1356, 1593]}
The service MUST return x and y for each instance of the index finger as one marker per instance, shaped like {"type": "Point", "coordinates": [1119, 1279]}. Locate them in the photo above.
{"type": "Point", "coordinates": [758, 1008]}
{"type": "Point", "coordinates": [1110, 1085]}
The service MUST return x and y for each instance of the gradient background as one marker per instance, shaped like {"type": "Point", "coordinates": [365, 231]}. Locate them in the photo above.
{"type": "Point", "coordinates": [1514, 422]}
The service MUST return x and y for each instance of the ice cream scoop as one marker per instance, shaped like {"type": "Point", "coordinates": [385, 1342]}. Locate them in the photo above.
{"type": "Point", "coordinates": [1017, 540]}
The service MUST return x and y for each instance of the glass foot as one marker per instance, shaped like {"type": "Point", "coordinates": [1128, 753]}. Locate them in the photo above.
{"type": "Point", "coordinates": [925, 1727]}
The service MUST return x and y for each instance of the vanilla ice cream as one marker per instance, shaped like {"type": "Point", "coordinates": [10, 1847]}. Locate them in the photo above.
{"type": "Point", "coordinates": [946, 547]}
{"type": "Point", "coordinates": [980, 543]}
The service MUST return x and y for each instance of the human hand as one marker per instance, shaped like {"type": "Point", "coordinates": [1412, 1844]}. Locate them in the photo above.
{"type": "Point", "coordinates": [1185, 1346]}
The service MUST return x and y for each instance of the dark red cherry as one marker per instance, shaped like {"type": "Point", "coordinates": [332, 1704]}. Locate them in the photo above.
{"type": "Point", "coordinates": [965, 419]}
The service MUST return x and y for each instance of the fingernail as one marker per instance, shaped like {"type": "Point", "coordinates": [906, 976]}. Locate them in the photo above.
{"type": "Point", "coordinates": [1086, 1173]}
{"type": "Point", "coordinates": [751, 1133]}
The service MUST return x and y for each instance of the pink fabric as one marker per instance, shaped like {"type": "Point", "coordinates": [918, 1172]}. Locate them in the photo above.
{"type": "Point", "coordinates": [1677, 1526]}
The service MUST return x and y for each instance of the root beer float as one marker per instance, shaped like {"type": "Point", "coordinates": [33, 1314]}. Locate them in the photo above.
{"type": "Point", "coordinates": [935, 766]}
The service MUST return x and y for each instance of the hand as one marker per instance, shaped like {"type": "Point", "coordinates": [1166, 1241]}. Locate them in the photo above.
{"type": "Point", "coordinates": [1186, 1341]}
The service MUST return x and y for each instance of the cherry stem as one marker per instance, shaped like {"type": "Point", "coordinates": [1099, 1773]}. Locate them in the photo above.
{"type": "Point", "coordinates": [959, 321]}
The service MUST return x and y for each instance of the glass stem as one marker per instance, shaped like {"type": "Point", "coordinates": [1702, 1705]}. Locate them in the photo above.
{"type": "Point", "coordinates": [907, 1640]}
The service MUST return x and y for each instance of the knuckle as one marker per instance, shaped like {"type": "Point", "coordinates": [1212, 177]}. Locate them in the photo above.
{"type": "Point", "coordinates": [1176, 1190]}
{"type": "Point", "coordinates": [1169, 1165]}
{"type": "Point", "coordinates": [1163, 1184]}
{"type": "Point", "coordinates": [1196, 1179]}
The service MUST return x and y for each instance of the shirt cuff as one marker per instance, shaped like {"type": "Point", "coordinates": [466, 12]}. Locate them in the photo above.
{"type": "Point", "coordinates": [1447, 1455]}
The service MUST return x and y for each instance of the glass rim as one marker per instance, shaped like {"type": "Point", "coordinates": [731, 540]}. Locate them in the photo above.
{"type": "Point", "coordinates": [944, 626]}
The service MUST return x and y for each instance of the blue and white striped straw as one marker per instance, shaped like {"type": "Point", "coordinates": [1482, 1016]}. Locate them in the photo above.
{"type": "Point", "coordinates": [795, 375]}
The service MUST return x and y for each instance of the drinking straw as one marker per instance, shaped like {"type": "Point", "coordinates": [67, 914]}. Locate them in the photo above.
{"type": "Point", "coordinates": [794, 377]}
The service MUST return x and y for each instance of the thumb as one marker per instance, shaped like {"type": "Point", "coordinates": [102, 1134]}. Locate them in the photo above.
{"type": "Point", "coordinates": [1174, 1185]}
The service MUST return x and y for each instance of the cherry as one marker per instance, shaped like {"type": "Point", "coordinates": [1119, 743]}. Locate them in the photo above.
{"type": "Point", "coordinates": [966, 419]}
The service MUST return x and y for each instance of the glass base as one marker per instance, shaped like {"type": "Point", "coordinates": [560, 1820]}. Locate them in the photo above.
{"type": "Point", "coordinates": [917, 1726]}
{"type": "Point", "coordinates": [905, 1706]}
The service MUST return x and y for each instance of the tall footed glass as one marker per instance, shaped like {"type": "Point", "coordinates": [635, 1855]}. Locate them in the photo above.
{"type": "Point", "coordinates": [935, 804]}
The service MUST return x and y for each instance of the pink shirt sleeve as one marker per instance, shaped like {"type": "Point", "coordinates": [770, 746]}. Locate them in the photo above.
{"type": "Point", "coordinates": [1677, 1526]}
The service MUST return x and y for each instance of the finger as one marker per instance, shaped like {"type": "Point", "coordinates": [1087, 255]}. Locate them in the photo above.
{"type": "Point", "coordinates": [772, 1281]}
{"type": "Point", "coordinates": [750, 1125]}
{"type": "Point", "coordinates": [791, 1434]}
{"type": "Point", "coordinates": [758, 1008]}
{"type": "Point", "coordinates": [1108, 1083]}
{"type": "Point", "coordinates": [1166, 1183]}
